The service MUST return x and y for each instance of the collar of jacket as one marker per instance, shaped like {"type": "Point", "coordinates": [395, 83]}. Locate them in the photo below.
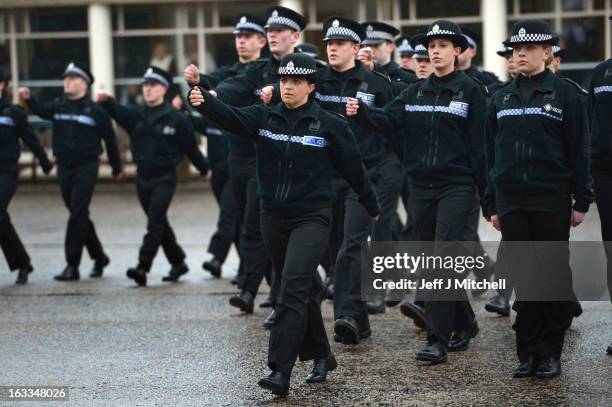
{"type": "Point", "coordinates": [357, 72]}
{"type": "Point", "coordinates": [157, 112]}
{"type": "Point", "coordinates": [454, 85]}
{"type": "Point", "coordinates": [308, 110]}
{"type": "Point", "coordinates": [78, 102]}
{"type": "Point", "coordinates": [546, 86]}
{"type": "Point", "coordinates": [391, 67]}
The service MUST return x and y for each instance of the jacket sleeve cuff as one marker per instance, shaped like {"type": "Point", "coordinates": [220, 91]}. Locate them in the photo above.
{"type": "Point", "coordinates": [581, 205]}
{"type": "Point", "coordinates": [371, 205]}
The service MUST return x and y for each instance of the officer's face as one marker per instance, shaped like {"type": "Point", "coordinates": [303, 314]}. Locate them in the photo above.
{"type": "Point", "coordinates": [382, 52]}
{"type": "Point", "coordinates": [407, 63]}
{"type": "Point", "coordinates": [249, 43]}
{"type": "Point", "coordinates": [511, 66]}
{"type": "Point", "coordinates": [530, 58]}
{"type": "Point", "coordinates": [466, 56]}
{"type": "Point", "coordinates": [555, 65]}
{"type": "Point", "coordinates": [442, 53]}
{"type": "Point", "coordinates": [281, 40]}
{"type": "Point", "coordinates": [153, 93]}
{"type": "Point", "coordinates": [341, 53]}
{"type": "Point", "coordinates": [74, 87]}
{"type": "Point", "coordinates": [295, 91]}
{"type": "Point", "coordinates": [424, 68]}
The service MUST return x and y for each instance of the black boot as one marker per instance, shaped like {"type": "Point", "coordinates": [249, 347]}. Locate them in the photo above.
{"type": "Point", "coordinates": [277, 383]}
{"type": "Point", "coordinates": [460, 341]}
{"type": "Point", "coordinates": [69, 274]}
{"type": "Point", "coordinates": [139, 275]}
{"type": "Point", "coordinates": [22, 275]}
{"type": "Point", "coordinates": [414, 312]}
{"type": "Point", "coordinates": [498, 305]}
{"type": "Point", "coordinates": [526, 368]}
{"type": "Point", "coordinates": [213, 266]}
{"type": "Point", "coordinates": [176, 272]}
{"type": "Point", "coordinates": [609, 350]}
{"type": "Point", "coordinates": [98, 267]}
{"type": "Point", "coordinates": [270, 320]}
{"type": "Point", "coordinates": [578, 310]}
{"type": "Point", "coordinates": [320, 369]}
{"type": "Point", "coordinates": [244, 301]}
{"type": "Point", "coordinates": [432, 353]}
{"type": "Point", "coordinates": [346, 328]}
{"type": "Point", "coordinates": [548, 368]}
{"type": "Point", "coordinates": [376, 307]}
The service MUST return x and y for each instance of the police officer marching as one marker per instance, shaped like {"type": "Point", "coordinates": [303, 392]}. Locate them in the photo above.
{"type": "Point", "coordinates": [538, 160]}
{"type": "Point", "coordinates": [445, 115]}
{"type": "Point", "coordinates": [160, 137]}
{"type": "Point", "coordinates": [406, 52]}
{"type": "Point", "coordinates": [14, 126]}
{"type": "Point", "coordinates": [79, 125]}
{"type": "Point", "coordinates": [299, 146]}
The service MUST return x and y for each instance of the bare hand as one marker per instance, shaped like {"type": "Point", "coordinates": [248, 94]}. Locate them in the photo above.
{"type": "Point", "coordinates": [352, 106]}
{"type": "Point", "coordinates": [577, 218]}
{"type": "Point", "coordinates": [266, 94]}
{"type": "Point", "coordinates": [376, 218]}
{"type": "Point", "coordinates": [495, 222]}
{"type": "Point", "coordinates": [366, 57]}
{"type": "Point", "coordinates": [101, 97]}
{"type": "Point", "coordinates": [196, 98]}
{"type": "Point", "coordinates": [24, 93]}
{"type": "Point", "coordinates": [191, 74]}
{"type": "Point", "coordinates": [177, 102]}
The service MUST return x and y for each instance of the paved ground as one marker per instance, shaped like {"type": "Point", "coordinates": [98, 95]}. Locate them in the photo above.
{"type": "Point", "coordinates": [182, 344]}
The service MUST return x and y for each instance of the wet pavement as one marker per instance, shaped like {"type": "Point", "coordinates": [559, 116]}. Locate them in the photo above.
{"type": "Point", "coordinates": [181, 344]}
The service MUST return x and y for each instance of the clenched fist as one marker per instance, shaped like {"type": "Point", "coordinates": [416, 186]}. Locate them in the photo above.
{"type": "Point", "coordinates": [196, 98]}
{"type": "Point", "coordinates": [191, 74]}
{"type": "Point", "coordinates": [352, 106]}
{"type": "Point", "coordinates": [266, 94]}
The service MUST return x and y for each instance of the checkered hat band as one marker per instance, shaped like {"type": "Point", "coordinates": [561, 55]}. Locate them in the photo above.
{"type": "Point", "coordinates": [78, 72]}
{"type": "Point", "coordinates": [379, 35]}
{"type": "Point", "coordinates": [158, 78]}
{"type": "Point", "coordinates": [420, 48]}
{"type": "Point", "coordinates": [405, 49]}
{"type": "Point", "coordinates": [283, 21]}
{"type": "Point", "coordinates": [531, 38]}
{"type": "Point", "coordinates": [250, 27]}
{"type": "Point", "coordinates": [344, 32]}
{"type": "Point", "coordinates": [440, 32]}
{"type": "Point", "coordinates": [283, 70]}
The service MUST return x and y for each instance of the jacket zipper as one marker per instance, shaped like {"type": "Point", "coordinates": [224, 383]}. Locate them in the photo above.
{"type": "Point", "coordinates": [286, 176]}
{"type": "Point", "coordinates": [433, 149]}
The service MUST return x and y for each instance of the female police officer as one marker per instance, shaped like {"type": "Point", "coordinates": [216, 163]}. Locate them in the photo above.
{"type": "Point", "coordinates": [298, 147]}
{"type": "Point", "coordinates": [445, 164]}
{"type": "Point", "coordinates": [538, 159]}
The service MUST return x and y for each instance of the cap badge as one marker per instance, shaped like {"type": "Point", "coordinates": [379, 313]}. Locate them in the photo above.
{"type": "Point", "coordinates": [522, 32]}
{"type": "Point", "coordinates": [370, 28]}
{"type": "Point", "coordinates": [405, 42]}
{"type": "Point", "coordinates": [435, 28]}
{"type": "Point", "coordinates": [290, 65]}
{"type": "Point", "coordinates": [149, 71]}
{"type": "Point", "coordinates": [243, 20]}
{"type": "Point", "coordinates": [275, 13]}
{"type": "Point", "coordinates": [336, 24]}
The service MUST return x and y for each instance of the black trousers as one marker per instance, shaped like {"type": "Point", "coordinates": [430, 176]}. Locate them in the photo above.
{"type": "Point", "coordinates": [228, 226]}
{"type": "Point", "coordinates": [442, 215]}
{"type": "Point", "coordinates": [155, 195]}
{"type": "Point", "coordinates": [252, 249]}
{"type": "Point", "coordinates": [15, 253]}
{"type": "Point", "coordinates": [540, 325]}
{"type": "Point", "coordinates": [603, 196]}
{"type": "Point", "coordinates": [296, 246]}
{"type": "Point", "coordinates": [77, 184]}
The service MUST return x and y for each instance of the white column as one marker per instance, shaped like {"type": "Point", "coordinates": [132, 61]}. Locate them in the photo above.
{"type": "Point", "coordinates": [101, 48]}
{"type": "Point", "coordinates": [494, 22]}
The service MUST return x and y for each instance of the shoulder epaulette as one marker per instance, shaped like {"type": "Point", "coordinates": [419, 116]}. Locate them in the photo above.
{"type": "Point", "coordinates": [580, 88]}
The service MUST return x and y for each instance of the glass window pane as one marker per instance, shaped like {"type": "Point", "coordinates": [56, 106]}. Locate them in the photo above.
{"type": "Point", "coordinates": [5, 56]}
{"type": "Point", "coordinates": [4, 22]}
{"type": "Point", "coordinates": [228, 11]}
{"type": "Point", "coordinates": [326, 8]}
{"type": "Point", "coordinates": [583, 39]}
{"type": "Point", "coordinates": [220, 50]}
{"type": "Point", "coordinates": [412, 30]}
{"type": "Point", "coordinates": [192, 15]}
{"type": "Point", "coordinates": [47, 58]}
{"type": "Point", "coordinates": [444, 8]}
{"type": "Point", "coordinates": [573, 5]}
{"type": "Point", "coordinates": [129, 94]}
{"type": "Point", "coordinates": [134, 54]}
{"type": "Point", "coordinates": [599, 4]}
{"type": "Point", "coordinates": [149, 16]}
{"type": "Point", "coordinates": [536, 6]}
{"type": "Point", "coordinates": [58, 19]}
{"type": "Point", "coordinates": [404, 9]}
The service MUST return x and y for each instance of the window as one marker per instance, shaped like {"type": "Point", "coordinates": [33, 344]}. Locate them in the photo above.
{"type": "Point", "coordinates": [445, 8]}
{"type": "Point", "coordinates": [583, 39]}
{"type": "Point", "coordinates": [58, 19]}
{"type": "Point", "coordinates": [149, 17]}
{"type": "Point", "coordinates": [133, 55]}
{"type": "Point", "coordinates": [44, 59]}
{"type": "Point", "coordinates": [536, 6]}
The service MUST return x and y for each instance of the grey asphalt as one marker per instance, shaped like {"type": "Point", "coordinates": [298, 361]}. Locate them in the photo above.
{"type": "Point", "coordinates": [181, 344]}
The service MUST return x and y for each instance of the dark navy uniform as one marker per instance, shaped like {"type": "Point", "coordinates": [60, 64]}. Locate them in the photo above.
{"type": "Point", "coordinates": [298, 150]}
{"type": "Point", "coordinates": [79, 126]}
{"type": "Point", "coordinates": [14, 127]}
{"type": "Point", "coordinates": [160, 138]}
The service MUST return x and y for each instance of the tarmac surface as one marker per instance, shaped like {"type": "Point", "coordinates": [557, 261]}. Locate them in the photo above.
{"type": "Point", "coordinates": [113, 344]}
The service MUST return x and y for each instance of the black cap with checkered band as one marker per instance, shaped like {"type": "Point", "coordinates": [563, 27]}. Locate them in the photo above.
{"type": "Point", "coordinates": [283, 17]}
{"type": "Point", "coordinates": [80, 70]}
{"type": "Point", "coordinates": [154, 74]}
{"type": "Point", "coordinates": [420, 52]}
{"type": "Point", "coordinates": [248, 23]}
{"type": "Point", "coordinates": [343, 29]}
{"type": "Point", "coordinates": [531, 32]}
{"type": "Point", "coordinates": [297, 65]}
{"type": "Point", "coordinates": [445, 29]}
{"type": "Point", "coordinates": [378, 32]}
{"type": "Point", "coordinates": [404, 47]}
{"type": "Point", "coordinates": [505, 50]}
{"type": "Point", "coordinates": [558, 51]}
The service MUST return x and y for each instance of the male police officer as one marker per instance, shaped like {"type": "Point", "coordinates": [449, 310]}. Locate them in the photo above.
{"type": "Point", "coordinates": [160, 138]}
{"type": "Point", "coordinates": [406, 52]}
{"type": "Point", "coordinates": [79, 124]}
{"type": "Point", "coordinates": [486, 78]}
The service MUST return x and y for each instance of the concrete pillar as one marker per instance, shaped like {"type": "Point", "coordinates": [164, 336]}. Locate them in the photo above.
{"type": "Point", "coordinates": [101, 48]}
{"type": "Point", "coordinates": [494, 23]}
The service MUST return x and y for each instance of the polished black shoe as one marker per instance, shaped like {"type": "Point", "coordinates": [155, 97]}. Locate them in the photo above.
{"type": "Point", "coordinates": [267, 303]}
{"type": "Point", "coordinates": [548, 368]}
{"type": "Point", "coordinates": [609, 350]}
{"type": "Point", "coordinates": [213, 266]}
{"type": "Point", "coordinates": [346, 328]}
{"type": "Point", "coordinates": [498, 305]}
{"type": "Point", "coordinates": [98, 267]}
{"type": "Point", "coordinates": [363, 334]}
{"type": "Point", "coordinates": [320, 369]}
{"type": "Point", "coordinates": [244, 301]}
{"type": "Point", "coordinates": [270, 320]}
{"type": "Point", "coordinates": [526, 368]}
{"type": "Point", "coordinates": [578, 309]}
{"type": "Point", "coordinates": [460, 341]}
{"type": "Point", "coordinates": [276, 382]}
{"type": "Point", "coordinates": [376, 307]}
{"type": "Point", "coordinates": [176, 272]}
{"type": "Point", "coordinates": [138, 275]}
{"type": "Point", "coordinates": [414, 312]}
{"type": "Point", "coordinates": [22, 275]}
{"type": "Point", "coordinates": [432, 353]}
{"type": "Point", "coordinates": [69, 274]}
